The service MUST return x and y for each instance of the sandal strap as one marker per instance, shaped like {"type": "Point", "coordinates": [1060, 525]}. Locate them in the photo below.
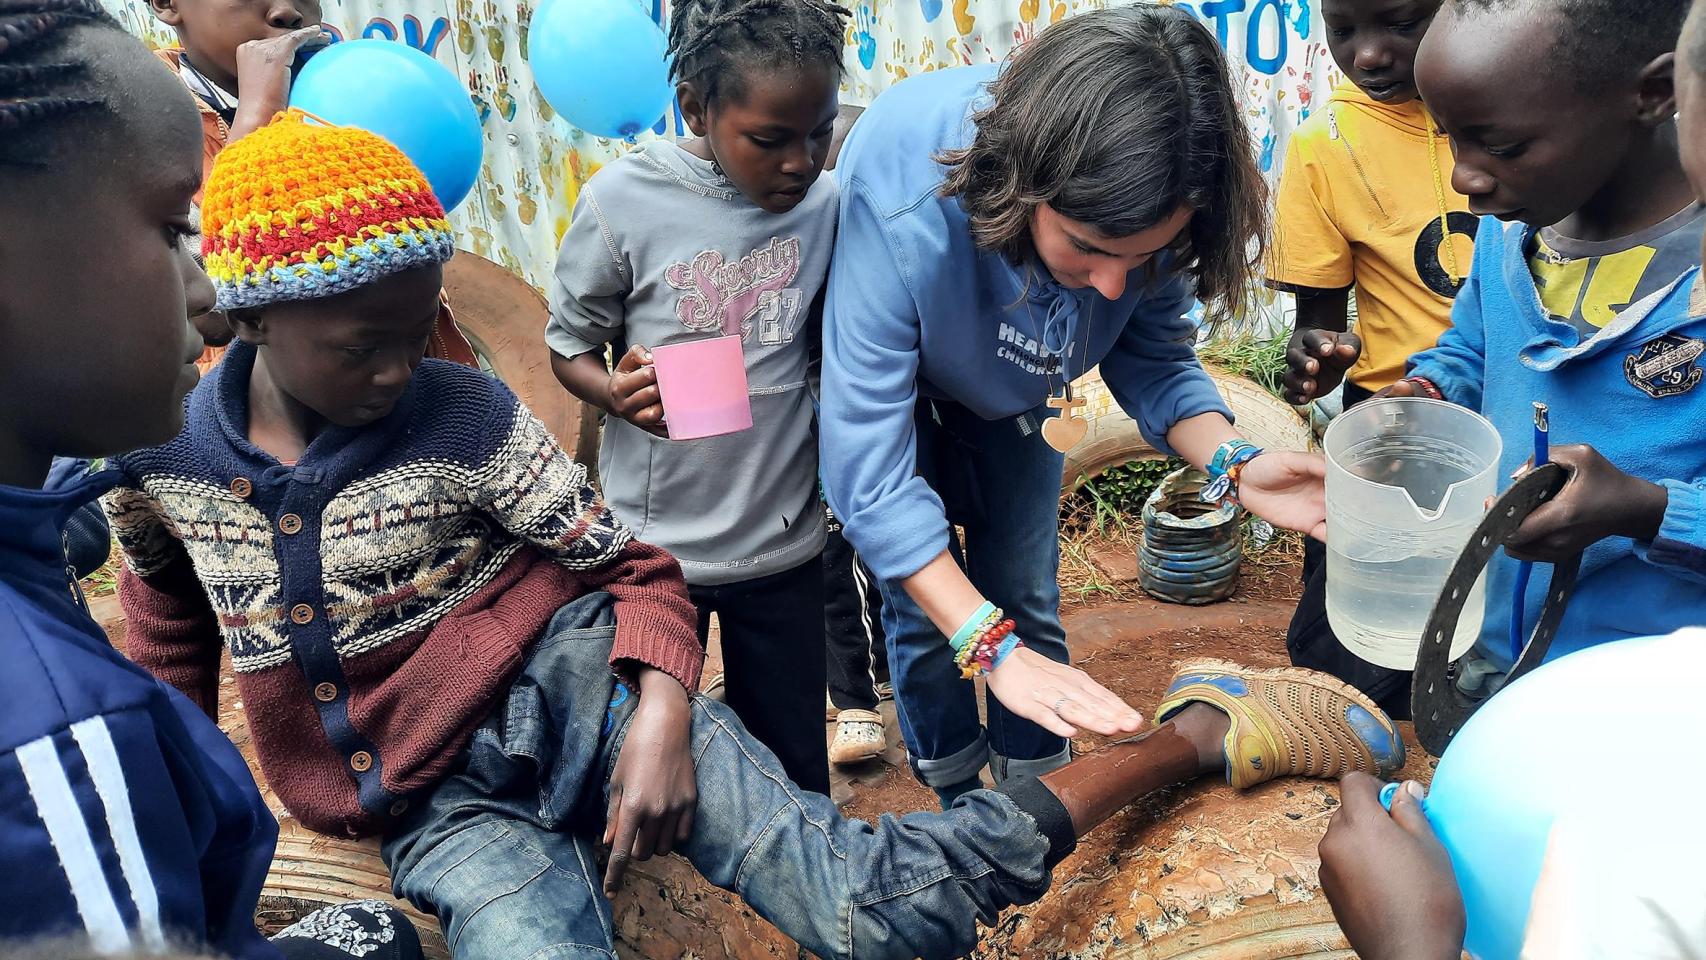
{"type": "Point", "coordinates": [855, 715]}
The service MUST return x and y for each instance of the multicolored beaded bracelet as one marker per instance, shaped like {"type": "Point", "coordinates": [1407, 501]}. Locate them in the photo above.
{"type": "Point", "coordinates": [984, 617]}
{"type": "Point", "coordinates": [988, 650]}
{"type": "Point", "coordinates": [1425, 387]}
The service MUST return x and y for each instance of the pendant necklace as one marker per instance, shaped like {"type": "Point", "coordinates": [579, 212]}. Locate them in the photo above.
{"type": "Point", "coordinates": [1064, 431]}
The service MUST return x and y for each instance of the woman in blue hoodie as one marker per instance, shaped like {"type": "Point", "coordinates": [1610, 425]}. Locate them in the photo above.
{"type": "Point", "coordinates": [1004, 229]}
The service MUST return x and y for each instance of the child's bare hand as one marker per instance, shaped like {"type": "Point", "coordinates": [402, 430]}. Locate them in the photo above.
{"type": "Point", "coordinates": [1059, 698]}
{"type": "Point", "coordinates": [1403, 388]}
{"type": "Point", "coordinates": [1388, 878]}
{"type": "Point", "coordinates": [263, 77]}
{"type": "Point", "coordinates": [1316, 360]}
{"type": "Point", "coordinates": [634, 391]}
{"type": "Point", "coordinates": [653, 790]}
{"type": "Point", "coordinates": [1598, 501]}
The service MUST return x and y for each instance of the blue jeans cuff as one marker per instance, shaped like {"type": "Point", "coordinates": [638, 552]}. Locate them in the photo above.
{"type": "Point", "coordinates": [1005, 769]}
{"type": "Point", "coordinates": [958, 767]}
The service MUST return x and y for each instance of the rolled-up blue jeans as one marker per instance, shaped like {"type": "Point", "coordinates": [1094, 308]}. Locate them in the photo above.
{"type": "Point", "coordinates": [503, 851]}
{"type": "Point", "coordinates": [1000, 482]}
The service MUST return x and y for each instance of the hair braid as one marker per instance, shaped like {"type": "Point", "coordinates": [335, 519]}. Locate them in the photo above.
{"type": "Point", "coordinates": [36, 85]}
{"type": "Point", "coordinates": [710, 39]}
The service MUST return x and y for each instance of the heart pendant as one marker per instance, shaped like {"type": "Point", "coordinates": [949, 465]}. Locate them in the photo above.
{"type": "Point", "coordinates": [1064, 432]}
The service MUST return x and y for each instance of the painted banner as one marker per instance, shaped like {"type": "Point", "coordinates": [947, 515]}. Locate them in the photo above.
{"type": "Point", "coordinates": [535, 162]}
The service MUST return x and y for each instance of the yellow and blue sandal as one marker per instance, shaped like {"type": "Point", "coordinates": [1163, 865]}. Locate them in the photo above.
{"type": "Point", "coordinates": [1287, 721]}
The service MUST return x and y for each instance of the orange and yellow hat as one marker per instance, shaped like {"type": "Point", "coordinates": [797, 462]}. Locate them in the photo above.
{"type": "Point", "coordinates": [300, 210]}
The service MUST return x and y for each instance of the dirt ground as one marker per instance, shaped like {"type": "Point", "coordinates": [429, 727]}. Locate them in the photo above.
{"type": "Point", "coordinates": [1131, 645]}
{"type": "Point", "coordinates": [1128, 645]}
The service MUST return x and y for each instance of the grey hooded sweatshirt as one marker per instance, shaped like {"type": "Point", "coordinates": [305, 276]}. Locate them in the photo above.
{"type": "Point", "coordinates": [663, 249]}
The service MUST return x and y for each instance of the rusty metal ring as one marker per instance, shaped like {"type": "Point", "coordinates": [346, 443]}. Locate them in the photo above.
{"type": "Point", "coordinates": [1438, 706]}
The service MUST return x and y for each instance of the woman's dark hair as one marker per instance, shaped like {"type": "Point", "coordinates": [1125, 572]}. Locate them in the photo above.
{"type": "Point", "coordinates": [710, 39]}
{"type": "Point", "coordinates": [39, 85]}
{"type": "Point", "coordinates": [1116, 118]}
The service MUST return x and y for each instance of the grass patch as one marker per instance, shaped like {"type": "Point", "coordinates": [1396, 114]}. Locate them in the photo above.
{"type": "Point", "coordinates": [104, 582]}
{"type": "Point", "coordinates": [1261, 361]}
{"type": "Point", "coordinates": [1113, 501]}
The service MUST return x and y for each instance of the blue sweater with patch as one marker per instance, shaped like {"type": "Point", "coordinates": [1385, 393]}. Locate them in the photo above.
{"type": "Point", "coordinates": [914, 307]}
{"type": "Point", "coordinates": [1632, 391]}
{"type": "Point", "coordinates": [125, 815]}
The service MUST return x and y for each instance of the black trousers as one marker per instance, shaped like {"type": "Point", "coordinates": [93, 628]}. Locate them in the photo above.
{"type": "Point", "coordinates": [1310, 640]}
{"type": "Point", "coordinates": [774, 663]}
{"type": "Point", "coordinates": [853, 625]}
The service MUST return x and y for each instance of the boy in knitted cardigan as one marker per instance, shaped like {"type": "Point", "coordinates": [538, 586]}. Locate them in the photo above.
{"type": "Point", "coordinates": [441, 635]}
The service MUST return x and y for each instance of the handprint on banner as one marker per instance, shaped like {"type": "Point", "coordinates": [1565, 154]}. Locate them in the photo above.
{"type": "Point", "coordinates": [526, 194]}
{"type": "Point", "coordinates": [864, 22]}
{"type": "Point", "coordinates": [504, 99]}
{"type": "Point", "coordinates": [964, 21]}
{"type": "Point", "coordinates": [494, 31]}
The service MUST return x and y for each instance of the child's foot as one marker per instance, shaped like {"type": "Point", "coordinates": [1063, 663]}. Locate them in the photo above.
{"type": "Point", "coordinates": [858, 736]}
{"type": "Point", "coordinates": [1287, 721]}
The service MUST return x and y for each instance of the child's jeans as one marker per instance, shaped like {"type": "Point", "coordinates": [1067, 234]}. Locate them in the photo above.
{"type": "Point", "coordinates": [774, 663]}
{"type": "Point", "coordinates": [503, 851]}
{"type": "Point", "coordinates": [1000, 481]}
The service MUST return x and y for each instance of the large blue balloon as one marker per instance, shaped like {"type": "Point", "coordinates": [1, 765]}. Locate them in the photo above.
{"type": "Point", "coordinates": [1577, 734]}
{"type": "Point", "coordinates": [601, 64]}
{"type": "Point", "coordinates": [405, 96]}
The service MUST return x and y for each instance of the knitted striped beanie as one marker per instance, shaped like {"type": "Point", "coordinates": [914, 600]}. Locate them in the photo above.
{"type": "Point", "coordinates": [300, 210]}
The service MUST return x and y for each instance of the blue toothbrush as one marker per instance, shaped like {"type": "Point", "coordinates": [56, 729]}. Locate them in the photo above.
{"type": "Point", "coordinates": [1542, 452]}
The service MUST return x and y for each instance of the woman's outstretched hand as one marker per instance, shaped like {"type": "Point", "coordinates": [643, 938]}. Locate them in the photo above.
{"type": "Point", "coordinates": [1059, 698]}
{"type": "Point", "coordinates": [1288, 490]}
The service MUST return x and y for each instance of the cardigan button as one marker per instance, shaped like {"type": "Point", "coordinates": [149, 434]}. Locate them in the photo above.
{"type": "Point", "coordinates": [399, 808]}
{"type": "Point", "coordinates": [301, 614]}
{"type": "Point", "coordinates": [290, 524]}
{"type": "Point", "coordinates": [326, 692]}
{"type": "Point", "coordinates": [241, 487]}
{"type": "Point", "coordinates": [361, 761]}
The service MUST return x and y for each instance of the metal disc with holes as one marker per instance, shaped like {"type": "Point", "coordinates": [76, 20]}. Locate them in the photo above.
{"type": "Point", "coordinates": [1437, 705]}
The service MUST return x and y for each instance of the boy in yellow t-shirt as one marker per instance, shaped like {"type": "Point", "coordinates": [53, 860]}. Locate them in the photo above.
{"type": "Point", "coordinates": [1365, 200]}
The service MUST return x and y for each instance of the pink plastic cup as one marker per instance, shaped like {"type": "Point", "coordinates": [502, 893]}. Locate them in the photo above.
{"type": "Point", "coordinates": [703, 387]}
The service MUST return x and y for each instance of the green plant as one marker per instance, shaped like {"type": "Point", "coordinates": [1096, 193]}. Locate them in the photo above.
{"type": "Point", "coordinates": [104, 582]}
{"type": "Point", "coordinates": [1245, 354]}
{"type": "Point", "coordinates": [1115, 499]}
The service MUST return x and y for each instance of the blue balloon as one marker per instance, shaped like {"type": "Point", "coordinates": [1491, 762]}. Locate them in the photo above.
{"type": "Point", "coordinates": [601, 64]}
{"type": "Point", "coordinates": [405, 96]}
{"type": "Point", "coordinates": [1577, 734]}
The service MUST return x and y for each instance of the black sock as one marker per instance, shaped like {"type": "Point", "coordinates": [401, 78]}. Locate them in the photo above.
{"type": "Point", "coordinates": [1053, 822]}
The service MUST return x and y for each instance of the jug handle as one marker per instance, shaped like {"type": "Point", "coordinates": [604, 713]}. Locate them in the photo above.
{"type": "Point", "coordinates": [1438, 707]}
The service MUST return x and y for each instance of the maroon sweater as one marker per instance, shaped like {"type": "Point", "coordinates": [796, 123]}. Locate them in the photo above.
{"type": "Point", "coordinates": [379, 596]}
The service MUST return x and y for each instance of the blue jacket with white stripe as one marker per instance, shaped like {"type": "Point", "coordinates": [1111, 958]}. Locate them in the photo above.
{"type": "Point", "coordinates": [125, 814]}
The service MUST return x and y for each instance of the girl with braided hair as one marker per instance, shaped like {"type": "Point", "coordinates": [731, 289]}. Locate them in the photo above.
{"type": "Point", "coordinates": [130, 822]}
{"type": "Point", "coordinates": [726, 234]}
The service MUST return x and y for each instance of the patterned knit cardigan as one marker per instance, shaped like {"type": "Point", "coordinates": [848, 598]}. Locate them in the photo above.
{"type": "Point", "coordinates": [378, 597]}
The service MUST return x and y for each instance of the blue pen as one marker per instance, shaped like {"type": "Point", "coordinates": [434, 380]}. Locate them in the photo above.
{"type": "Point", "coordinates": [1542, 452]}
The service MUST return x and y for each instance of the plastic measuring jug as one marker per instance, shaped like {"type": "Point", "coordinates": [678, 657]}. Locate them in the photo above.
{"type": "Point", "coordinates": [1407, 479]}
{"type": "Point", "coordinates": [702, 384]}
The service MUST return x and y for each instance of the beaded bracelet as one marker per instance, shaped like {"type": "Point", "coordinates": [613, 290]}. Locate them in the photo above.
{"type": "Point", "coordinates": [986, 653]}
{"type": "Point", "coordinates": [981, 620]}
{"type": "Point", "coordinates": [1426, 387]}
